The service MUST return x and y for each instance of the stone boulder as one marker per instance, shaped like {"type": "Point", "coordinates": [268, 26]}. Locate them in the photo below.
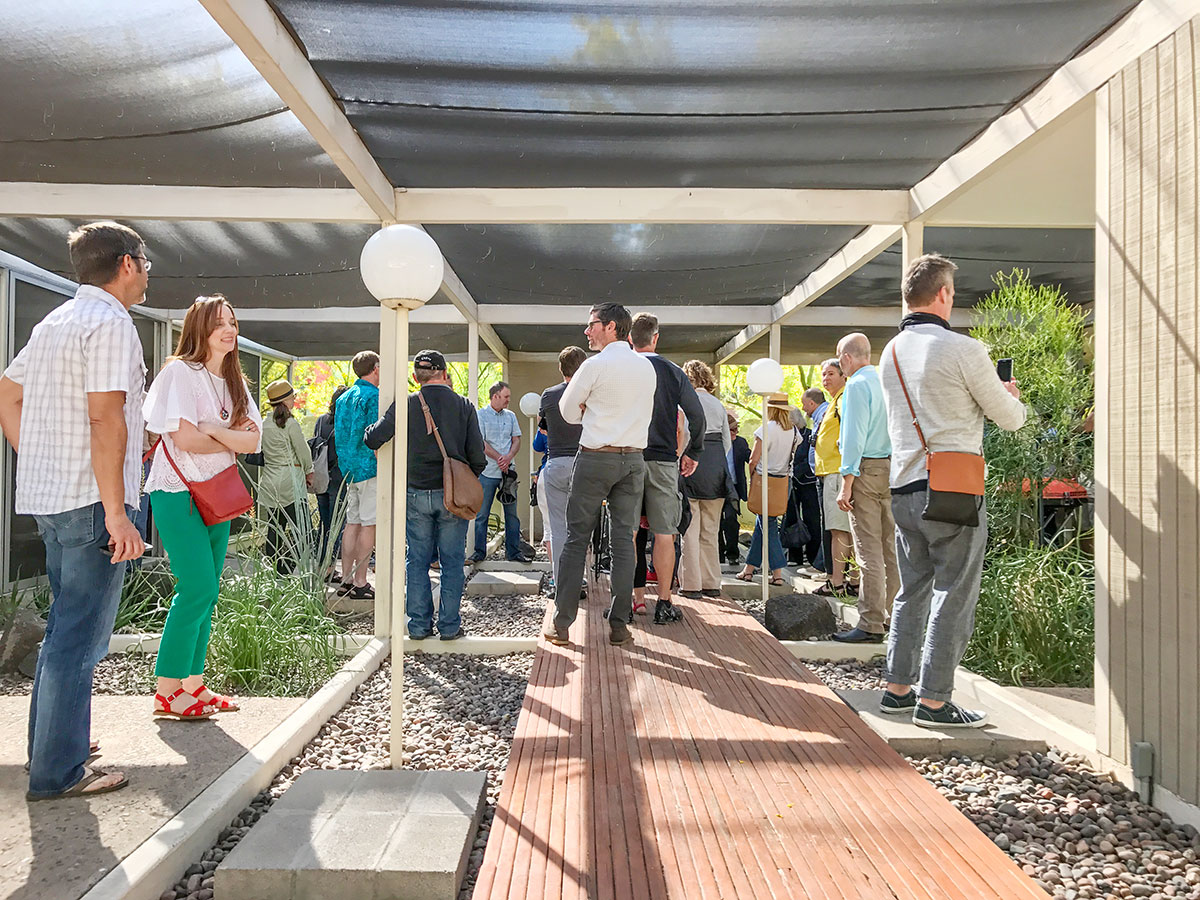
{"type": "Point", "coordinates": [20, 639]}
{"type": "Point", "coordinates": [799, 617]}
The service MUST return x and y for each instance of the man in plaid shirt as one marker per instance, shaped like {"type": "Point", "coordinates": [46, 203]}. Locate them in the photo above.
{"type": "Point", "coordinates": [71, 405]}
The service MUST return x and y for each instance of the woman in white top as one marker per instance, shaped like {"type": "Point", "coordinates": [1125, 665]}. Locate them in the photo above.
{"type": "Point", "coordinates": [782, 438]}
{"type": "Point", "coordinates": [202, 408]}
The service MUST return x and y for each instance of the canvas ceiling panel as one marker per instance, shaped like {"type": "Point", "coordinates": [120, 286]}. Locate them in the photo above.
{"type": "Point", "coordinates": [678, 341]}
{"type": "Point", "coordinates": [604, 81]}
{"type": "Point", "coordinates": [1062, 256]}
{"type": "Point", "coordinates": [638, 265]}
{"type": "Point", "coordinates": [118, 91]}
{"type": "Point", "coordinates": [255, 264]}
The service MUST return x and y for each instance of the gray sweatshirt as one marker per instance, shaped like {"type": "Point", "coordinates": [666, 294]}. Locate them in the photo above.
{"type": "Point", "coordinates": [953, 385]}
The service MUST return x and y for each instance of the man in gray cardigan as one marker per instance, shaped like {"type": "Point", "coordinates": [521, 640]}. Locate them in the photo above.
{"type": "Point", "coordinates": [953, 386]}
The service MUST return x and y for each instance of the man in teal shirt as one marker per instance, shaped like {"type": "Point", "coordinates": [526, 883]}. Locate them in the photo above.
{"type": "Point", "coordinates": [356, 409]}
{"type": "Point", "coordinates": [866, 460]}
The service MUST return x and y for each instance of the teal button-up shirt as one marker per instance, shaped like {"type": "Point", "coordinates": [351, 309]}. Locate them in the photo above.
{"type": "Point", "coordinates": [864, 421]}
{"type": "Point", "coordinates": [356, 409]}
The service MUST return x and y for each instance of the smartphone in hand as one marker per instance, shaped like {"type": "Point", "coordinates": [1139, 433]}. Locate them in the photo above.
{"type": "Point", "coordinates": [1004, 368]}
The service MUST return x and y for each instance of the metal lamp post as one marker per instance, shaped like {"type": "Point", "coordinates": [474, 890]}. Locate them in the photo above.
{"type": "Point", "coordinates": [402, 267]}
{"type": "Point", "coordinates": [765, 377]}
{"type": "Point", "coordinates": [530, 403]}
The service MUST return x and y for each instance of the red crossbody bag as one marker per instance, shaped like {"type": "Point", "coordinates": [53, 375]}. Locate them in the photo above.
{"type": "Point", "coordinates": [217, 499]}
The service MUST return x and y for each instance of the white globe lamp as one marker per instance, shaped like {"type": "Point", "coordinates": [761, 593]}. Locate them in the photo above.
{"type": "Point", "coordinates": [401, 266]}
{"type": "Point", "coordinates": [765, 376]}
{"type": "Point", "coordinates": [530, 403]}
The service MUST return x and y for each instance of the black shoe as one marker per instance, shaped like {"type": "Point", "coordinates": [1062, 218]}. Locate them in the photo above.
{"type": "Point", "coordinates": [524, 560]}
{"type": "Point", "coordinates": [620, 635]}
{"type": "Point", "coordinates": [693, 595]}
{"type": "Point", "coordinates": [421, 637]}
{"type": "Point", "coordinates": [666, 612]}
{"type": "Point", "coordinates": [461, 633]}
{"type": "Point", "coordinates": [948, 715]}
{"type": "Point", "coordinates": [583, 592]}
{"type": "Point", "coordinates": [711, 592]}
{"type": "Point", "coordinates": [858, 636]}
{"type": "Point", "coordinates": [898, 703]}
{"type": "Point", "coordinates": [476, 558]}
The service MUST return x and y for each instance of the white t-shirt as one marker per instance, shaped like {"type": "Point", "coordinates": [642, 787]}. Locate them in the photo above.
{"type": "Point", "coordinates": [781, 447]}
{"type": "Point", "coordinates": [188, 391]}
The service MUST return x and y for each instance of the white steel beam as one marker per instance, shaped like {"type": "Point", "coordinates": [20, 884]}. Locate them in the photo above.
{"type": "Point", "coordinates": [542, 206]}
{"type": "Point", "coordinates": [1146, 25]}
{"type": "Point", "coordinates": [154, 201]}
{"type": "Point", "coordinates": [520, 314]}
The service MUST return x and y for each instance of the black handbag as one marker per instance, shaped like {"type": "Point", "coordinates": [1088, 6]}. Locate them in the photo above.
{"type": "Point", "coordinates": [795, 534]}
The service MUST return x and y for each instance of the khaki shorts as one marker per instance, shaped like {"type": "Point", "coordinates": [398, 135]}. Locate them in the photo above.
{"type": "Point", "coordinates": [835, 519]}
{"type": "Point", "coordinates": [360, 502]}
{"type": "Point", "coordinates": [661, 498]}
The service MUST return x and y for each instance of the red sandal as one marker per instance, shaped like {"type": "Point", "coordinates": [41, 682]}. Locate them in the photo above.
{"type": "Point", "coordinates": [220, 701]}
{"type": "Point", "coordinates": [639, 607]}
{"type": "Point", "coordinates": [163, 707]}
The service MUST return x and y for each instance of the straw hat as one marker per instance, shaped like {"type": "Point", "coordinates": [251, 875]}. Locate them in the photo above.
{"type": "Point", "coordinates": [779, 400]}
{"type": "Point", "coordinates": [279, 390]}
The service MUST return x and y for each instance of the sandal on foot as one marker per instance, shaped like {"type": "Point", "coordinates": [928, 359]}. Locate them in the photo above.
{"type": "Point", "coordinates": [827, 590]}
{"type": "Point", "coordinates": [165, 707]}
{"type": "Point", "coordinates": [80, 788]}
{"type": "Point", "coordinates": [220, 701]}
{"type": "Point", "coordinates": [777, 581]}
{"type": "Point", "coordinates": [639, 607]}
{"type": "Point", "coordinates": [744, 576]}
{"type": "Point", "coordinates": [366, 592]}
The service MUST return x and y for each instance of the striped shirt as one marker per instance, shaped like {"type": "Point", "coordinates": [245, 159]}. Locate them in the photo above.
{"type": "Point", "coordinates": [87, 345]}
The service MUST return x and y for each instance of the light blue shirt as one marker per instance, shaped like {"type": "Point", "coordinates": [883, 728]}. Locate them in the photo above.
{"type": "Point", "coordinates": [817, 416]}
{"type": "Point", "coordinates": [499, 429]}
{"type": "Point", "coordinates": [864, 421]}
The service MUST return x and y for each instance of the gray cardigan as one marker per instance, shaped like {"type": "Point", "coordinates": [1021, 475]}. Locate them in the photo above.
{"type": "Point", "coordinates": [953, 385]}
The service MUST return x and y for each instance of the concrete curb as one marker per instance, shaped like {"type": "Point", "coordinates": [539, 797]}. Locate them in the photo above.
{"type": "Point", "coordinates": [159, 862]}
{"type": "Point", "coordinates": [1066, 736]}
{"type": "Point", "coordinates": [343, 644]}
{"type": "Point", "coordinates": [472, 646]}
{"type": "Point", "coordinates": [833, 651]}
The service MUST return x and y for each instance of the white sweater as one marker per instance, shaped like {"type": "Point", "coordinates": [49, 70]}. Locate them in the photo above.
{"type": "Point", "coordinates": [953, 385]}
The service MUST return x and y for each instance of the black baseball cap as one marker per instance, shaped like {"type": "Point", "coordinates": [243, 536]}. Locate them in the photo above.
{"type": "Point", "coordinates": [430, 359]}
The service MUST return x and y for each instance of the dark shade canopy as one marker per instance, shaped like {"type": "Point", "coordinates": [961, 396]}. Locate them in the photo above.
{"type": "Point", "coordinates": [674, 339]}
{"type": "Point", "coordinates": [872, 93]}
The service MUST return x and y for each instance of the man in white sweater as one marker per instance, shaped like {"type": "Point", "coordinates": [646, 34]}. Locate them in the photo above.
{"type": "Point", "coordinates": [953, 385]}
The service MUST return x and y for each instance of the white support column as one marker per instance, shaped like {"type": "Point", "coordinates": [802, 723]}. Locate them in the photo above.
{"type": "Point", "coordinates": [385, 468]}
{"type": "Point", "coordinates": [398, 504]}
{"type": "Point", "coordinates": [764, 519]}
{"type": "Point", "coordinates": [473, 397]}
{"type": "Point", "coordinates": [776, 346]}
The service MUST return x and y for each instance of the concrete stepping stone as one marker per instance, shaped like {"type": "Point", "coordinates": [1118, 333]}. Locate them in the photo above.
{"type": "Point", "coordinates": [503, 584]}
{"type": "Point", "coordinates": [508, 565]}
{"type": "Point", "coordinates": [359, 834]}
{"type": "Point", "coordinates": [746, 590]}
{"type": "Point", "coordinates": [1005, 733]}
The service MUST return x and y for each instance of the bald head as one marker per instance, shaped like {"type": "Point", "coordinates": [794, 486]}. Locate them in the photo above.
{"type": "Point", "coordinates": [854, 352]}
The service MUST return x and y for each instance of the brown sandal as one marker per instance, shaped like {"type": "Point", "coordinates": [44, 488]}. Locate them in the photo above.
{"type": "Point", "coordinates": [197, 710]}
{"type": "Point", "coordinates": [80, 788]}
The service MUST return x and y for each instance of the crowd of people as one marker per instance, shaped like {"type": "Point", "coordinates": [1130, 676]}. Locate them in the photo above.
{"type": "Point", "coordinates": [636, 449]}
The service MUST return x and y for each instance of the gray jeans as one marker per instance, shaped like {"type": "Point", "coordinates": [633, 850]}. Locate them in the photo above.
{"type": "Point", "coordinates": [934, 613]}
{"type": "Point", "coordinates": [556, 479]}
{"type": "Point", "coordinates": [617, 478]}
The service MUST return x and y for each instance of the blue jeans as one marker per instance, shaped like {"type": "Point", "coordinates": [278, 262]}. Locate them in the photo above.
{"type": "Point", "coordinates": [775, 554]}
{"type": "Point", "coordinates": [87, 589]}
{"type": "Point", "coordinates": [512, 524]}
{"type": "Point", "coordinates": [431, 528]}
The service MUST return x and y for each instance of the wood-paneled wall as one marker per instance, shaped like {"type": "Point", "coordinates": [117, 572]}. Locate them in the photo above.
{"type": "Point", "coordinates": [1147, 500]}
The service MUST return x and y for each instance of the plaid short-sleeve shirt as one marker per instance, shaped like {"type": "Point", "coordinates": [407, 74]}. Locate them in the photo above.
{"type": "Point", "coordinates": [87, 345]}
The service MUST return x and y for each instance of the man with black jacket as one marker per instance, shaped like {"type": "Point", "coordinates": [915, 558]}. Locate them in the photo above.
{"type": "Point", "coordinates": [662, 498]}
{"type": "Point", "coordinates": [739, 454]}
{"type": "Point", "coordinates": [429, 524]}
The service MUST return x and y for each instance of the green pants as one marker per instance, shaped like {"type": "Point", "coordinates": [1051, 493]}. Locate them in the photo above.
{"type": "Point", "coordinates": [197, 555]}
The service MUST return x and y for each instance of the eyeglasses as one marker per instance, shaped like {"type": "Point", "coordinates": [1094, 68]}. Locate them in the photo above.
{"type": "Point", "coordinates": [593, 322]}
{"type": "Point", "coordinates": [145, 262]}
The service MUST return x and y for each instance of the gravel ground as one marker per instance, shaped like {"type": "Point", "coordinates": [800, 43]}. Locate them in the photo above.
{"type": "Point", "coordinates": [1076, 832]}
{"type": "Point", "coordinates": [122, 674]}
{"type": "Point", "coordinates": [512, 616]}
{"type": "Point", "coordinates": [460, 713]}
{"type": "Point", "coordinates": [849, 674]}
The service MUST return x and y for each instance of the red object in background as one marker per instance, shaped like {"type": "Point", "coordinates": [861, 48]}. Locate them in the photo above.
{"type": "Point", "coordinates": [1058, 489]}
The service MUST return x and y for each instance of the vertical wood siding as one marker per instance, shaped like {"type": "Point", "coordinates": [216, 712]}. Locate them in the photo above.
{"type": "Point", "coordinates": [1147, 467]}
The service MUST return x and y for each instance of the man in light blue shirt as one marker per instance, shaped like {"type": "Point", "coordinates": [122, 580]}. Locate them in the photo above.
{"type": "Point", "coordinates": [866, 460]}
{"type": "Point", "coordinates": [501, 440]}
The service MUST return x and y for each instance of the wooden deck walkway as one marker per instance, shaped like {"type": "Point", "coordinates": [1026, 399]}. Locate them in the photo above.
{"type": "Point", "coordinates": [705, 762]}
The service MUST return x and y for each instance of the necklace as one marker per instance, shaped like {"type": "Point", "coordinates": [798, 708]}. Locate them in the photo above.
{"type": "Point", "coordinates": [223, 403]}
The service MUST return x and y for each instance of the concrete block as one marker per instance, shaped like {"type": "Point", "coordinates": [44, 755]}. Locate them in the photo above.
{"type": "Point", "coordinates": [745, 590]}
{"type": "Point", "coordinates": [503, 584]}
{"type": "Point", "coordinates": [1003, 735]}
{"type": "Point", "coordinates": [359, 834]}
{"type": "Point", "coordinates": [508, 565]}
{"type": "Point", "coordinates": [833, 651]}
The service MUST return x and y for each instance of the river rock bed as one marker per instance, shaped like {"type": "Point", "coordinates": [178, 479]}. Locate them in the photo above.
{"type": "Point", "coordinates": [120, 674]}
{"type": "Point", "coordinates": [1078, 833]}
{"type": "Point", "coordinates": [460, 713]}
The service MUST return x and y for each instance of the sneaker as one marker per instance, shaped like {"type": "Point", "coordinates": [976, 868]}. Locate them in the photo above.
{"type": "Point", "coordinates": [476, 558]}
{"type": "Point", "coordinates": [948, 715]}
{"type": "Point", "coordinates": [421, 637]}
{"type": "Point", "coordinates": [620, 635]}
{"type": "Point", "coordinates": [557, 636]}
{"type": "Point", "coordinates": [693, 595]}
{"type": "Point", "coordinates": [858, 636]}
{"type": "Point", "coordinates": [665, 612]}
{"type": "Point", "coordinates": [898, 703]}
{"type": "Point", "coordinates": [711, 592]}
{"type": "Point", "coordinates": [461, 633]}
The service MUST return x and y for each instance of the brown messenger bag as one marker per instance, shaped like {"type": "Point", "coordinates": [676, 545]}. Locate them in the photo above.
{"type": "Point", "coordinates": [462, 493]}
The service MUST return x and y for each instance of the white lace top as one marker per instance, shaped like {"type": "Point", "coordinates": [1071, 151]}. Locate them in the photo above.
{"type": "Point", "coordinates": [186, 391]}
